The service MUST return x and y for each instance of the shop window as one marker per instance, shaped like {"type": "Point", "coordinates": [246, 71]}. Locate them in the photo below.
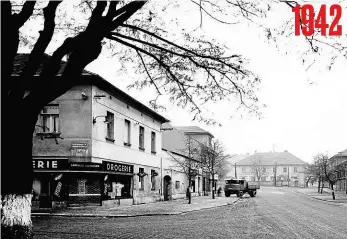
{"type": "Point", "coordinates": [284, 169]}
{"type": "Point", "coordinates": [142, 138]}
{"type": "Point", "coordinates": [127, 133]}
{"type": "Point", "coordinates": [141, 179]}
{"type": "Point", "coordinates": [153, 143]}
{"type": "Point", "coordinates": [110, 126]}
{"type": "Point", "coordinates": [295, 169]}
{"type": "Point", "coordinates": [243, 169]}
{"type": "Point", "coordinates": [152, 180]}
{"type": "Point", "coordinates": [264, 170]}
{"type": "Point", "coordinates": [49, 118]}
{"type": "Point", "coordinates": [177, 184]}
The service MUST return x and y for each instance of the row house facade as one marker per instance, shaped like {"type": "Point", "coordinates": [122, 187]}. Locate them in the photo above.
{"type": "Point", "coordinates": [282, 168]}
{"type": "Point", "coordinates": [339, 163]}
{"type": "Point", "coordinates": [96, 145]}
{"type": "Point", "coordinates": [176, 144]}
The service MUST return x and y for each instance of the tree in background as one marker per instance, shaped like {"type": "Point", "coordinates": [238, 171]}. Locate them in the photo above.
{"type": "Point", "coordinates": [188, 163]}
{"type": "Point", "coordinates": [310, 174]}
{"type": "Point", "coordinates": [326, 171]}
{"type": "Point", "coordinates": [258, 168]}
{"type": "Point", "coordinates": [214, 160]}
{"type": "Point", "coordinates": [191, 72]}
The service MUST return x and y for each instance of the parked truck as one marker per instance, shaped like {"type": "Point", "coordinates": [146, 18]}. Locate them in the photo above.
{"type": "Point", "coordinates": [240, 187]}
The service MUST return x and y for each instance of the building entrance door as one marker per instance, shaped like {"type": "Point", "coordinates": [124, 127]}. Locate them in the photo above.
{"type": "Point", "coordinates": [167, 188]}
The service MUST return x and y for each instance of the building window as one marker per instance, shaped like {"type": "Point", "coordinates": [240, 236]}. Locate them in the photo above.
{"type": "Point", "coordinates": [264, 170]}
{"type": "Point", "coordinates": [50, 119]}
{"type": "Point", "coordinates": [243, 169]}
{"type": "Point", "coordinates": [127, 133]}
{"type": "Point", "coordinates": [141, 179]}
{"type": "Point", "coordinates": [177, 184]}
{"type": "Point", "coordinates": [295, 169]}
{"type": "Point", "coordinates": [153, 142]}
{"type": "Point", "coordinates": [272, 178]}
{"type": "Point", "coordinates": [152, 180]}
{"type": "Point", "coordinates": [110, 126]}
{"type": "Point", "coordinates": [284, 169]}
{"type": "Point", "coordinates": [263, 178]}
{"type": "Point", "coordinates": [142, 138]}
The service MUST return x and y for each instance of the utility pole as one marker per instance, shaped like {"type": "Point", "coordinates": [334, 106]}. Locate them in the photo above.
{"type": "Point", "coordinates": [275, 174]}
{"type": "Point", "coordinates": [288, 176]}
{"type": "Point", "coordinates": [189, 173]}
{"type": "Point", "coordinates": [213, 161]}
{"type": "Point", "coordinates": [235, 171]}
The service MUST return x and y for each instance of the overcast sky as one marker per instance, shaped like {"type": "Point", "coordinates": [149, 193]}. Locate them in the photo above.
{"type": "Point", "coordinates": [300, 117]}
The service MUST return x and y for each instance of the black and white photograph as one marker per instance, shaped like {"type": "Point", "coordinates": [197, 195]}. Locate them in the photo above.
{"type": "Point", "coordinates": [174, 119]}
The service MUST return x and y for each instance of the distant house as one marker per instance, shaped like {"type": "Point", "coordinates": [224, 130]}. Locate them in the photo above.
{"type": "Point", "coordinates": [282, 168]}
{"type": "Point", "coordinates": [339, 162]}
{"type": "Point", "coordinates": [174, 147]}
{"type": "Point", "coordinates": [234, 159]}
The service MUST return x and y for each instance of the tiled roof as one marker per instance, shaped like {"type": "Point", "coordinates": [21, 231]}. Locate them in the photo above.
{"type": "Point", "coordinates": [92, 79]}
{"type": "Point", "coordinates": [192, 130]}
{"type": "Point", "coordinates": [271, 158]}
{"type": "Point", "coordinates": [237, 157]}
{"type": "Point", "coordinates": [21, 59]}
{"type": "Point", "coordinates": [341, 154]}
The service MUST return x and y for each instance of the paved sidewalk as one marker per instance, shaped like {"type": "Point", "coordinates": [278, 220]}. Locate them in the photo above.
{"type": "Point", "coordinates": [173, 207]}
{"type": "Point", "coordinates": [340, 197]}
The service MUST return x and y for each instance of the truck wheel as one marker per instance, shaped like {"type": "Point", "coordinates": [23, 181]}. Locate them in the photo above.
{"type": "Point", "coordinates": [227, 194]}
{"type": "Point", "coordinates": [255, 193]}
{"type": "Point", "coordinates": [239, 194]}
{"type": "Point", "coordinates": [251, 193]}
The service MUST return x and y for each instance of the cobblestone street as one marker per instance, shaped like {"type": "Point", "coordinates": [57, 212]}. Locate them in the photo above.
{"type": "Point", "coordinates": [274, 213]}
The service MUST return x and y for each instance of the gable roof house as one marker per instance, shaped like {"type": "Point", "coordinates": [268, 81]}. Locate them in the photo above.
{"type": "Point", "coordinates": [270, 168]}
{"type": "Point", "coordinates": [175, 146]}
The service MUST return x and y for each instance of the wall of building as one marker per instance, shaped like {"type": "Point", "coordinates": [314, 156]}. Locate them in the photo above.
{"type": "Point", "coordinates": [202, 138]}
{"type": "Point", "coordinates": [103, 149]}
{"type": "Point", "coordinates": [245, 171]}
{"type": "Point", "coordinates": [117, 151]}
{"type": "Point", "coordinates": [173, 140]}
{"type": "Point", "coordinates": [75, 120]}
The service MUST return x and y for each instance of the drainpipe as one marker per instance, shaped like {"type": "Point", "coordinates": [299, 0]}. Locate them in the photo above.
{"type": "Point", "coordinates": [288, 176]}
{"type": "Point", "coordinates": [161, 176]}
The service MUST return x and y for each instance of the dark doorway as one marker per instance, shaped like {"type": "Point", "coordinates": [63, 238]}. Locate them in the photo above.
{"type": "Point", "coordinates": [167, 188]}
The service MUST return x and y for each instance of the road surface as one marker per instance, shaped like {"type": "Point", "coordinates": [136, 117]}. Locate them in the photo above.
{"type": "Point", "coordinates": [273, 213]}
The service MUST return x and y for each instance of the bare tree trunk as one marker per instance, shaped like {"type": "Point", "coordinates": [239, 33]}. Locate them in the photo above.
{"type": "Point", "coordinates": [332, 192]}
{"type": "Point", "coordinates": [15, 216]}
{"type": "Point", "coordinates": [319, 183]}
{"type": "Point", "coordinates": [322, 186]}
{"type": "Point", "coordinates": [189, 192]}
{"type": "Point", "coordinates": [16, 170]}
{"type": "Point", "coordinates": [213, 189]}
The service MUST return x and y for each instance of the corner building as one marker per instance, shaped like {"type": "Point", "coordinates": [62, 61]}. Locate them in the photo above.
{"type": "Point", "coordinates": [96, 145]}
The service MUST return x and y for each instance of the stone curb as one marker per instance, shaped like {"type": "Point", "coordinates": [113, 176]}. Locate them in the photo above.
{"type": "Point", "coordinates": [120, 215]}
{"type": "Point", "coordinates": [322, 200]}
